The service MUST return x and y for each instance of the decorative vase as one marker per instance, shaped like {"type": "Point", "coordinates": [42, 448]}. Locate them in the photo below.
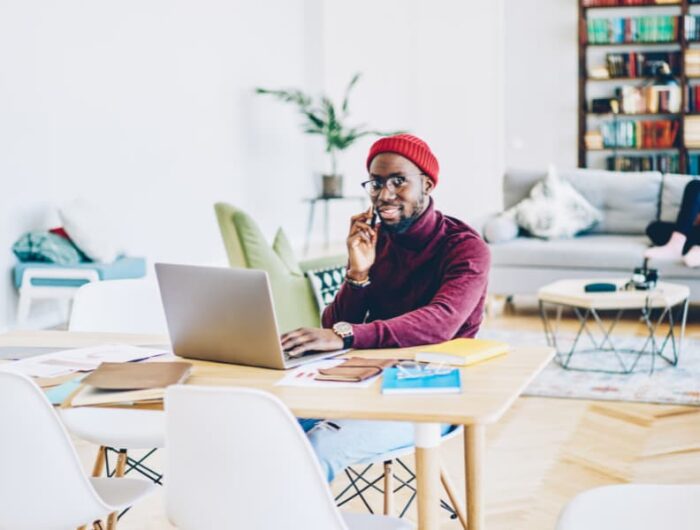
{"type": "Point", "coordinates": [332, 185]}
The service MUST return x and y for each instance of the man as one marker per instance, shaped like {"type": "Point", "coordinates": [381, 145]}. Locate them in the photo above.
{"type": "Point", "coordinates": [419, 277]}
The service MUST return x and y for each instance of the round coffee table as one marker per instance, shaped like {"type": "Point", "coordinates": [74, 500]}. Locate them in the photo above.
{"type": "Point", "coordinates": [662, 310]}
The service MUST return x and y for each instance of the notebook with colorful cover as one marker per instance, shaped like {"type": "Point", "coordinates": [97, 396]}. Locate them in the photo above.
{"type": "Point", "coordinates": [462, 352]}
{"type": "Point", "coordinates": [449, 383]}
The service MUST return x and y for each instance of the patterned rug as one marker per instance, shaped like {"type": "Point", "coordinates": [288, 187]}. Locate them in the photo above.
{"type": "Point", "coordinates": [679, 385]}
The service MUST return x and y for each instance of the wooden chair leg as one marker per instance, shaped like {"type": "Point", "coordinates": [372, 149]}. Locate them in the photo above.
{"type": "Point", "coordinates": [388, 487]}
{"type": "Point", "coordinates": [452, 495]}
{"type": "Point", "coordinates": [99, 462]}
{"type": "Point", "coordinates": [119, 472]}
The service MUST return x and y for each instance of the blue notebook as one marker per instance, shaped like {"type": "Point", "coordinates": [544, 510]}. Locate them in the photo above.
{"type": "Point", "coordinates": [449, 383]}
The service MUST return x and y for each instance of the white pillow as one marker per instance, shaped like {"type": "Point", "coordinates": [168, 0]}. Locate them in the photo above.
{"type": "Point", "coordinates": [555, 209]}
{"type": "Point", "coordinates": [90, 230]}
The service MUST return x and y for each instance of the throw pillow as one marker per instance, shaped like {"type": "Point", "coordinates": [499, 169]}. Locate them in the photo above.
{"type": "Point", "coordinates": [555, 209]}
{"type": "Point", "coordinates": [501, 228]}
{"type": "Point", "coordinates": [326, 283]}
{"type": "Point", "coordinates": [283, 249]}
{"type": "Point", "coordinates": [90, 230]}
{"type": "Point", "coordinates": [46, 247]}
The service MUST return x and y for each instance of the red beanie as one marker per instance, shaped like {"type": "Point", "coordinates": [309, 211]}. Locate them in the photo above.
{"type": "Point", "coordinates": [408, 146]}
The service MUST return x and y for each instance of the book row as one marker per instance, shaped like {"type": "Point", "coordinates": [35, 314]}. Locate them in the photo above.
{"type": "Point", "coordinates": [693, 165]}
{"type": "Point", "coordinates": [664, 162]}
{"type": "Point", "coordinates": [641, 64]}
{"type": "Point", "coordinates": [639, 134]}
{"type": "Point", "coordinates": [598, 3]}
{"type": "Point", "coordinates": [660, 28]}
{"type": "Point", "coordinates": [692, 98]}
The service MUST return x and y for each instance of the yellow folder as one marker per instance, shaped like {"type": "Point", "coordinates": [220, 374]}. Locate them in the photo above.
{"type": "Point", "coordinates": [461, 352]}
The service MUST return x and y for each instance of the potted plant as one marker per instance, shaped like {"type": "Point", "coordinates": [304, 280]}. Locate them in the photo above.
{"type": "Point", "coordinates": [324, 118]}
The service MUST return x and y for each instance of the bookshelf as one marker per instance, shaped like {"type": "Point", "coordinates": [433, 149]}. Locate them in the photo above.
{"type": "Point", "coordinates": [649, 126]}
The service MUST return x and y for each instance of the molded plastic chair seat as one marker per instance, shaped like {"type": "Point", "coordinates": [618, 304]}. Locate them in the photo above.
{"type": "Point", "coordinates": [120, 493]}
{"type": "Point", "coordinates": [225, 470]}
{"type": "Point", "coordinates": [118, 428]}
{"type": "Point", "coordinates": [43, 485]}
{"type": "Point", "coordinates": [634, 507]}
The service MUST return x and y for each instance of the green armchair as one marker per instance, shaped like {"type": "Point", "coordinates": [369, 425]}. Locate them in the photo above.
{"type": "Point", "coordinates": [246, 247]}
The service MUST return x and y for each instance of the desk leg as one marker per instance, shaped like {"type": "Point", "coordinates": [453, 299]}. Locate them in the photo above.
{"type": "Point", "coordinates": [428, 475]}
{"type": "Point", "coordinates": [474, 436]}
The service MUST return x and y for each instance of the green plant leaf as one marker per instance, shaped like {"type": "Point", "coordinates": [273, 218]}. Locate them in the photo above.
{"type": "Point", "coordinates": [346, 98]}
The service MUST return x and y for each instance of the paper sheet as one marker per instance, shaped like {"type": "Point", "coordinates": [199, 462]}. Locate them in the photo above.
{"type": "Point", "coordinates": [303, 376]}
{"type": "Point", "coordinates": [79, 360]}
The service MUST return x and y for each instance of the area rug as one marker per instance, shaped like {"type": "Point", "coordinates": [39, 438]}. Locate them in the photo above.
{"type": "Point", "coordinates": [679, 385]}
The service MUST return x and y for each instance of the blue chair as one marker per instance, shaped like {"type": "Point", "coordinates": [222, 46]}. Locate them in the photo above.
{"type": "Point", "coordinates": [40, 280]}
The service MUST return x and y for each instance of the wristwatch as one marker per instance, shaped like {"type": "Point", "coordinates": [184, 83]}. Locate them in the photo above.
{"type": "Point", "coordinates": [344, 331]}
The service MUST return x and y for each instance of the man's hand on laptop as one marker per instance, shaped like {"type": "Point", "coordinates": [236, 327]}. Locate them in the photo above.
{"type": "Point", "coordinates": [298, 342]}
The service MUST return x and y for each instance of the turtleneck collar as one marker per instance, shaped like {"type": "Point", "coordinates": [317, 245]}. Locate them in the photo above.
{"type": "Point", "coordinates": [420, 232]}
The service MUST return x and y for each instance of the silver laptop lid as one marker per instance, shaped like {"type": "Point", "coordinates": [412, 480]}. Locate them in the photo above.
{"type": "Point", "coordinates": [220, 314]}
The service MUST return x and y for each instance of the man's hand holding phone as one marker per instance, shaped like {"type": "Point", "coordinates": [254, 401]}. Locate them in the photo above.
{"type": "Point", "coordinates": [362, 242]}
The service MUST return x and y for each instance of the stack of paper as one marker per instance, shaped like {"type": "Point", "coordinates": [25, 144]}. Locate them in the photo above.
{"type": "Point", "coordinates": [66, 362]}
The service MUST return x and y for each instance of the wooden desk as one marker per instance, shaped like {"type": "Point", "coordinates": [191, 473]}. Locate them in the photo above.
{"type": "Point", "coordinates": [489, 389]}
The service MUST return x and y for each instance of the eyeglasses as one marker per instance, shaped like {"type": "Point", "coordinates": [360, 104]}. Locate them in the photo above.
{"type": "Point", "coordinates": [394, 184]}
{"type": "Point", "coordinates": [416, 370]}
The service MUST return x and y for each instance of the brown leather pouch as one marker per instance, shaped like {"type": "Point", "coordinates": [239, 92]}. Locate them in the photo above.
{"type": "Point", "coordinates": [354, 370]}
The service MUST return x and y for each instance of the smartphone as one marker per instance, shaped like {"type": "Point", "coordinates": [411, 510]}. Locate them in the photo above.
{"type": "Point", "coordinates": [375, 217]}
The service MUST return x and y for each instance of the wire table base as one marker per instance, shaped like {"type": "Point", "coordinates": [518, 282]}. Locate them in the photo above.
{"type": "Point", "coordinates": [598, 329]}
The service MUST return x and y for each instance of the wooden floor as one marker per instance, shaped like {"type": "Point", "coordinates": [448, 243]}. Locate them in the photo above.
{"type": "Point", "coordinates": [545, 451]}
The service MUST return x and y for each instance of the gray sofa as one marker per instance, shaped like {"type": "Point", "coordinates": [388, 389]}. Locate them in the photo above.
{"type": "Point", "coordinates": [613, 248]}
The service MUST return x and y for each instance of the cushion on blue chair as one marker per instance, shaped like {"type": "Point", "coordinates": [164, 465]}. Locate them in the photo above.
{"type": "Point", "coordinates": [46, 247]}
{"type": "Point", "coordinates": [120, 269]}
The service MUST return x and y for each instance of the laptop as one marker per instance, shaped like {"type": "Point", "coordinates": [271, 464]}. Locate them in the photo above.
{"type": "Point", "coordinates": [224, 315]}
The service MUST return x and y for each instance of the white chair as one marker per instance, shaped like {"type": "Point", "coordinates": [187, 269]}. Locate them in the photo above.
{"type": "Point", "coordinates": [43, 486]}
{"type": "Point", "coordinates": [634, 507]}
{"type": "Point", "coordinates": [237, 457]}
{"type": "Point", "coordinates": [119, 306]}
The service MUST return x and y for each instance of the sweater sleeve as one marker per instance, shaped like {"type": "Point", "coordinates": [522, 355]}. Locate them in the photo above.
{"type": "Point", "coordinates": [349, 305]}
{"type": "Point", "coordinates": [463, 284]}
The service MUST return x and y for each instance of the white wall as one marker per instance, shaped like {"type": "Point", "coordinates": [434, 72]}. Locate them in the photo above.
{"type": "Point", "coordinates": [146, 108]}
{"type": "Point", "coordinates": [541, 58]}
{"type": "Point", "coordinates": [436, 70]}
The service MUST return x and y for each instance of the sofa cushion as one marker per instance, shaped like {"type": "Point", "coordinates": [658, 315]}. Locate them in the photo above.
{"type": "Point", "coordinates": [629, 201]}
{"type": "Point", "coordinates": [597, 251]}
{"type": "Point", "coordinates": [90, 230]}
{"type": "Point", "coordinates": [46, 247]}
{"type": "Point", "coordinates": [283, 249]}
{"type": "Point", "coordinates": [671, 195]}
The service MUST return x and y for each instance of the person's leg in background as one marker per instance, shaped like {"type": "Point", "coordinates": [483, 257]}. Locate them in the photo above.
{"type": "Point", "coordinates": [677, 243]}
{"type": "Point", "coordinates": [692, 256]}
{"type": "Point", "coordinates": [342, 443]}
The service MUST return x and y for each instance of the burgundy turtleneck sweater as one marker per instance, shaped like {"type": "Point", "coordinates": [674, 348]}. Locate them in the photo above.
{"type": "Point", "coordinates": [428, 285]}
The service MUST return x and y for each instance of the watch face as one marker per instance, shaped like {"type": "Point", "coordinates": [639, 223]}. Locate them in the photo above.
{"type": "Point", "coordinates": [342, 328]}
